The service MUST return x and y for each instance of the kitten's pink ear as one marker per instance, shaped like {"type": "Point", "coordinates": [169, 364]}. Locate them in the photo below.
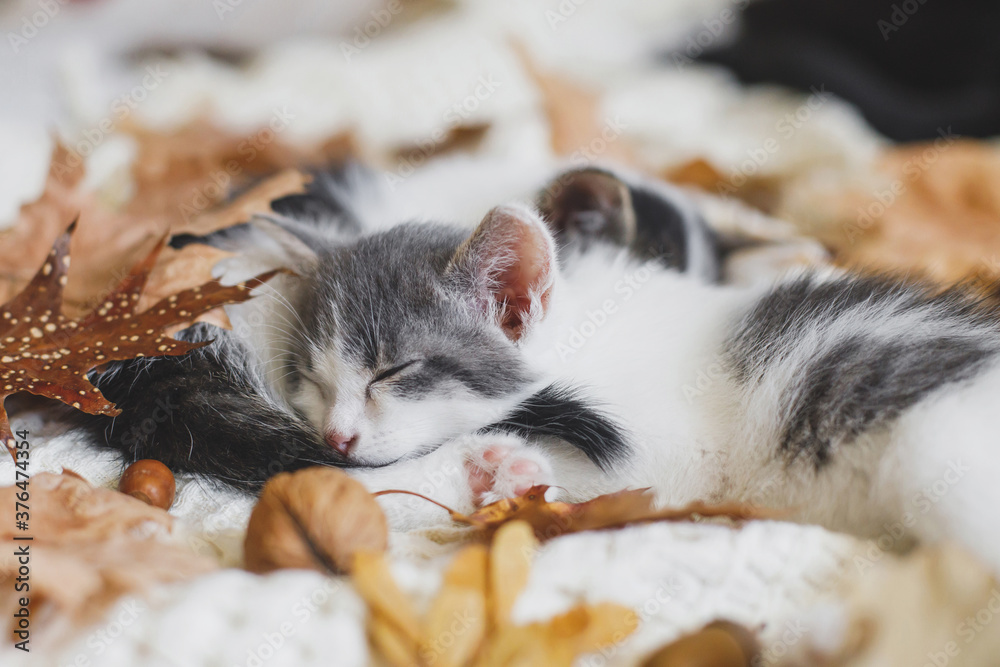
{"type": "Point", "coordinates": [508, 266]}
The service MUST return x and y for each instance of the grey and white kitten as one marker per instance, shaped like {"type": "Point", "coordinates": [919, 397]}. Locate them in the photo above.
{"type": "Point", "coordinates": [581, 341]}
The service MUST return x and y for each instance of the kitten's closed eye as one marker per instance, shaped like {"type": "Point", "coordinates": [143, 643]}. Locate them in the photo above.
{"type": "Point", "coordinates": [310, 377]}
{"type": "Point", "coordinates": [388, 373]}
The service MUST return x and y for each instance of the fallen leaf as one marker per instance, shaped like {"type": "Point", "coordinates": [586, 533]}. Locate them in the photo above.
{"type": "Point", "coordinates": [761, 193]}
{"type": "Point", "coordinates": [469, 621]}
{"type": "Point", "coordinates": [25, 244]}
{"type": "Point", "coordinates": [558, 641]}
{"type": "Point", "coordinates": [937, 605]}
{"type": "Point", "coordinates": [179, 270]}
{"type": "Point", "coordinates": [180, 181]}
{"type": "Point", "coordinates": [934, 212]}
{"type": "Point", "coordinates": [90, 546]}
{"type": "Point", "coordinates": [376, 585]}
{"type": "Point", "coordinates": [316, 519]}
{"type": "Point", "coordinates": [514, 547]}
{"type": "Point", "coordinates": [255, 200]}
{"type": "Point", "coordinates": [613, 510]}
{"type": "Point", "coordinates": [464, 138]}
{"type": "Point", "coordinates": [594, 627]}
{"type": "Point", "coordinates": [47, 354]}
{"type": "Point", "coordinates": [390, 643]}
{"type": "Point", "coordinates": [456, 622]}
{"type": "Point", "coordinates": [573, 112]}
{"type": "Point", "coordinates": [181, 175]}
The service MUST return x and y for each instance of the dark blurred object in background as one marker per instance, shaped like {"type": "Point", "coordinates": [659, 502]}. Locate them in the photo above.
{"type": "Point", "coordinates": [913, 67]}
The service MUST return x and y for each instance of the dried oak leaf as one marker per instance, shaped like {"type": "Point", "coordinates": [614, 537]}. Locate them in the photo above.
{"type": "Point", "coordinates": [25, 243]}
{"type": "Point", "coordinates": [90, 546]}
{"type": "Point", "coordinates": [255, 200]}
{"type": "Point", "coordinates": [315, 519]}
{"type": "Point", "coordinates": [110, 240]}
{"type": "Point", "coordinates": [48, 354]}
{"type": "Point", "coordinates": [613, 510]}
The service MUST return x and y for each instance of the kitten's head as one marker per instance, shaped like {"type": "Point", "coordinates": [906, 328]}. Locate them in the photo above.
{"type": "Point", "coordinates": [411, 335]}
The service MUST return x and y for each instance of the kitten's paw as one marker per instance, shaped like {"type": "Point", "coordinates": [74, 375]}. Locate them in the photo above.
{"type": "Point", "coordinates": [504, 470]}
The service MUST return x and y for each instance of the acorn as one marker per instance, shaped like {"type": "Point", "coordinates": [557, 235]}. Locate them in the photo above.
{"type": "Point", "coordinates": [149, 481]}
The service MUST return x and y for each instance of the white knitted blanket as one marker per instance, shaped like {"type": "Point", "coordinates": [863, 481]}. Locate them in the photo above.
{"type": "Point", "coordinates": [677, 576]}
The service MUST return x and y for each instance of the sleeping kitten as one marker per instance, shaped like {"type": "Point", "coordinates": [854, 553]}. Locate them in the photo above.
{"type": "Point", "coordinates": [589, 350]}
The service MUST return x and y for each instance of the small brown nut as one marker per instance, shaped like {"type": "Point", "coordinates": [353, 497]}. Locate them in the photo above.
{"type": "Point", "coordinates": [150, 481]}
{"type": "Point", "coordinates": [314, 519]}
{"type": "Point", "coordinates": [718, 644]}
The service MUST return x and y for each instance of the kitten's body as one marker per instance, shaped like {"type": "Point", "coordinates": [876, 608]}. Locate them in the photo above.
{"type": "Point", "coordinates": [831, 396]}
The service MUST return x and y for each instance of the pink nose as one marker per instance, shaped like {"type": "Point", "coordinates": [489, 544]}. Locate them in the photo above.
{"type": "Point", "coordinates": [341, 442]}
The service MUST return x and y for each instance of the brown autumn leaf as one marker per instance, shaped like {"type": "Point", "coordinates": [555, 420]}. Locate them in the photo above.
{"type": "Point", "coordinates": [315, 519]}
{"type": "Point", "coordinates": [255, 200]}
{"type": "Point", "coordinates": [24, 245]}
{"type": "Point", "coordinates": [718, 644]}
{"type": "Point", "coordinates": [175, 270]}
{"type": "Point", "coordinates": [468, 623]}
{"type": "Point", "coordinates": [184, 174]}
{"type": "Point", "coordinates": [613, 510]}
{"type": "Point", "coordinates": [761, 193]}
{"type": "Point", "coordinates": [180, 181]}
{"type": "Point", "coordinates": [48, 354]}
{"type": "Point", "coordinates": [573, 111]}
{"type": "Point", "coordinates": [90, 546]}
{"type": "Point", "coordinates": [935, 213]}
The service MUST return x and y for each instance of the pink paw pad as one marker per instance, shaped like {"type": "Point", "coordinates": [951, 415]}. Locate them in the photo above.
{"type": "Point", "coordinates": [501, 471]}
